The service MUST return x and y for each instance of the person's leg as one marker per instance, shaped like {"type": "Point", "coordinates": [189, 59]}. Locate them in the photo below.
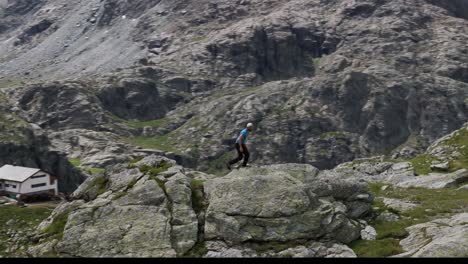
{"type": "Point", "coordinates": [246, 155]}
{"type": "Point", "coordinates": [239, 155]}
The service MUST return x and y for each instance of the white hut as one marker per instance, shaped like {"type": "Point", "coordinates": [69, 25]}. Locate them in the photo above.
{"type": "Point", "coordinates": [26, 181]}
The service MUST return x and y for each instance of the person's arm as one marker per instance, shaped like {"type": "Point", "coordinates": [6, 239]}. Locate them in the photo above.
{"type": "Point", "coordinates": [241, 137]}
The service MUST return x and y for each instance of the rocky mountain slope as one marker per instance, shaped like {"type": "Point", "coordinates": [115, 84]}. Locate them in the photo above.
{"type": "Point", "coordinates": [360, 112]}
{"type": "Point", "coordinates": [325, 82]}
{"type": "Point", "coordinates": [23, 144]}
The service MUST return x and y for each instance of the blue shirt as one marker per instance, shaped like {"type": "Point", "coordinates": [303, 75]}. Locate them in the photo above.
{"type": "Point", "coordinates": [244, 133]}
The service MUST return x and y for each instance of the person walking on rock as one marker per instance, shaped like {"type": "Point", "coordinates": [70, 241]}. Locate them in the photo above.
{"type": "Point", "coordinates": [241, 147]}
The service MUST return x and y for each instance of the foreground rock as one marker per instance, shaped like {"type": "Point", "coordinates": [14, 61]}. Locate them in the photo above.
{"type": "Point", "coordinates": [283, 203]}
{"type": "Point", "coordinates": [154, 208]}
{"type": "Point", "coordinates": [446, 237]}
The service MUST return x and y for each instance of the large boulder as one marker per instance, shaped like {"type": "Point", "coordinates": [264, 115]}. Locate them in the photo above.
{"type": "Point", "coordinates": [138, 210]}
{"type": "Point", "coordinates": [436, 181]}
{"type": "Point", "coordinates": [280, 203]}
{"type": "Point", "coordinates": [446, 237]}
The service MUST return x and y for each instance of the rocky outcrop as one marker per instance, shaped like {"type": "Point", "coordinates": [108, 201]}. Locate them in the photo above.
{"type": "Point", "coordinates": [281, 204]}
{"type": "Point", "coordinates": [22, 144]}
{"type": "Point", "coordinates": [398, 205]}
{"type": "Point", "coordinates": [436, 181]}
{"type": "Point", "coordinates": [131, 213]}
{"type": "Point", "coordinates": [96, 149]}
{"type": "Point", "coordinates": [446, 237]}
{"type": "Point", "coordinates": [155, 208]}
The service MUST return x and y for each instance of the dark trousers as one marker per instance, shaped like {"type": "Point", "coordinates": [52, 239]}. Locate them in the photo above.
{"type": "Point", "coordinates": [245, 155]}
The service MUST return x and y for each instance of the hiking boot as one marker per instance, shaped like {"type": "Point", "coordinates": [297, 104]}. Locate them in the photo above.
{"type": "Point", "coordinates": [228, 166]}
{"type": "Point", "coordinates": [245, 166]}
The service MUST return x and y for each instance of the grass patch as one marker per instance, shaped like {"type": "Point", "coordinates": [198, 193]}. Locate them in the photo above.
{"type": "Point", "coordinates": [12, 128]}
{"type": "Point", "coordinates": [198, 38]}
{"type": "Point", "coordinates": [101, 183]}
{"type": "Point", "coordinates": [316, 62]}
{"type": "Point", "coordinates": [133, 162]}
{"type": "Point", "coordinates": [132, 183]}
{"type": "Point", "coordinates": [378, 248]}
{"type": "Point", "coordinates": [432, 204]}
{"type": "Point", "coordinates": [160, 183]}
{"type": "Point", "coordinates": [11, 82]}
{"type": "Point", "coordinates": [218, 166]}
{"type": "Point", "coordinates": [32, 214]}
{"type": "Point", "coordinates": [154, 171]}
{"type": "Point", "coordinates": [25, 218]}
{"type": "Point", "coordinates": [198, 251]}
{"type": "Point", "coordinates": [75, 162]}
{"type": "Point", "coordinates": [55, 229]}
{"type": "Point", "coordinates": [92, 171]}
{"type": "Point", "coordinates": [142, 124]}
{"type": "Point", "coordinates": [120, 195]}
{"type": "Point", "coordinates": [198, 199]}
{"type": "Point", "coordinates": [163, 143]}
{"type": "Point", "coordinates": [460, 140]}
{"type": "Point", "coordinates": [394, 230]}
{"type": "Point", "coordinates": [422, 164]}
{"type": "Point", "coordinates": [332, 134]}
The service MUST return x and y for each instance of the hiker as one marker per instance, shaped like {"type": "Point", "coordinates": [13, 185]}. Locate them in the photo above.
{"type": "Point", "coordinates": [241, 147]}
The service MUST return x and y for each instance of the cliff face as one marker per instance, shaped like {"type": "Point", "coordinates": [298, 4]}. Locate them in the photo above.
{"type": "Point", "coordinates": [110, 82]}
{"type": "Point", "coordinates": [23, 144]}
{"type": "Point", "coordinates": [324, 81]}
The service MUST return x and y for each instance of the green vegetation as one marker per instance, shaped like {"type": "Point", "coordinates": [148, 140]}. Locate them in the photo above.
{"type": "Point", "coordinates": [132, 183]}
{"type": "Point", "coordinates": [75, 162]}
{"type": "Point", "coordinates": [378, 248]}
{"type": "Point", "coordinates": [432, 204]}
{"type": "Point", "coordinates": [198, 250]}
{"type": "Point", "coordinates": [460, 140]}
{"type": "Point", "coordinates": [137, 123]}
{"type": "Point", "coordinates": [132, 163]}
{"type": "Point", "coordinates": [218, 166]}
{"type": "Point", "coordinates": [55, 229]}
{"type": "Point", "coordinates": [154, 171]}
{"type": "Point", "coordinates": [316, 62]}
{"type": "Point", "coordinates": [11, 128]}
{"type": "Point", "coordinates": [163, 143]}
{"type": "Point", "coordinates": [198, 199]}
{"type": "Point", "coordinates": [199, 38]}
{"type": "Point", "coordinates": [11, 82]}
{"type": "Point", "coordinates": [120, 195]}
{"type": "Point", "coordinates": [142, 124]}
{"type": "Point", "coordinates": [25, 218]}
{"type": "Point", "coordinates": [422, 164]}
{"type": "Point", "coordinates": [160, 183]}
{"type": "Point", "coordinates": [92, 171]}
{"type": "Point", "coordinates": [100, 182]}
